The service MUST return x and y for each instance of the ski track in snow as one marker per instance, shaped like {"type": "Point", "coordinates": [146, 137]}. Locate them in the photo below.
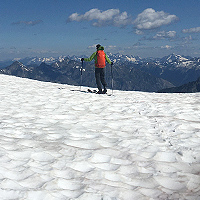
{"type": "Point", "coordinates": [58, 144]}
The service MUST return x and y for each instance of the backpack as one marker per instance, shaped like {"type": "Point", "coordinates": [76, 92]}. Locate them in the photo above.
{"type": "Point", "coordinates": [101, 59]}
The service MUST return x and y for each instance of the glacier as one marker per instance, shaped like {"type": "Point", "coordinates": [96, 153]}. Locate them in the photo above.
{"type": "Point", "coordinates": [58, 143]}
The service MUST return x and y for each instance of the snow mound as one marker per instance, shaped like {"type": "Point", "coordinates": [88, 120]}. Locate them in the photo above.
{"type": "Point", "coordinates": [57, 143]}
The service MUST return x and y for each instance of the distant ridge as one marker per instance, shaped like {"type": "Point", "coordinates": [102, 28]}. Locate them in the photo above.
{"type": "Point", "coordinates": [191, 87]}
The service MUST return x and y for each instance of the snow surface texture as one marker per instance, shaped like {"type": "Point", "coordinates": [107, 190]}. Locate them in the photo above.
{"type": "Point", "coordinates": [58, 144]}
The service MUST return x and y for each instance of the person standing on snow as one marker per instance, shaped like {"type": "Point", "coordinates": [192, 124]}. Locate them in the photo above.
{"type": "Point", "coordinates": [100, 58]}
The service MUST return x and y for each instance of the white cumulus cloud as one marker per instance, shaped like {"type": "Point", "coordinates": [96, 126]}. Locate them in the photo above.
{"type": "Point", "coordinates": [102, 18]}
{"type": "Point", "coordinates": [192, 30]}
{"type": "Point", "coordinates": [162, 35]}
{"type": "Point", "coordinates": [165, 35]}
{"type": "Point", "coordinates": [150, 19]}
{"type": "Point", "coordinates": [139, 32]}
{"type": "Point", "coordinates": [109, 47]}
{"type": "Point", "coordinates": [92, 46]}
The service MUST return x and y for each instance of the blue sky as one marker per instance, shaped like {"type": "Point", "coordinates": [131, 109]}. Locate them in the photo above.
{"type": "Point", "coordinates": [135, 27]}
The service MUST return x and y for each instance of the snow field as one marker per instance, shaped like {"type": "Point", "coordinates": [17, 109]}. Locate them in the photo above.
{"type": "Point", "coordinates": [58, 144]}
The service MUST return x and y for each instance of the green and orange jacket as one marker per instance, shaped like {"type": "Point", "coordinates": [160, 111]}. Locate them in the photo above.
{"type": "Point", "coordinates": [94, 56]}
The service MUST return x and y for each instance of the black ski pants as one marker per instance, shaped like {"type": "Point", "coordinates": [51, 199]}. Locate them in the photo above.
{"type": "Point", "coordinates": [100, 78]}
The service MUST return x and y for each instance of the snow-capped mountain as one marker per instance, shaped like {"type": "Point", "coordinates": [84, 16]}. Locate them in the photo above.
{"type": "Point", "coordinates": [116, 58]}
{"type": "Point", "coordinates": [174, 58]}
{"type": "Point", "coordinates": [38, 60]}
{"type": "Point", "coordinates": [32, 61]}
{"type": "Point", "coordinates": [17, 69]}
{"type": "Point", "coordinates": [124, 58]}
{"type": "Point", "coordinates": [170, 59]}
{"type": "Point", "coordinates": [174, 68]}
{"type": "Point", "coordinates": [58, 143]}
{"type": "Point", "coordinates": [68, 72]}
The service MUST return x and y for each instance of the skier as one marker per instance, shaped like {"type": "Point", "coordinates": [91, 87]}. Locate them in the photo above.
{"type": "Point", "coordinates": [100, 58]}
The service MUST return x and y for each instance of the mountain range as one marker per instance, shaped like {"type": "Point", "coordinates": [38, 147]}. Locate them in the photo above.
{"type": "Point", "coordinates": [130, 72]}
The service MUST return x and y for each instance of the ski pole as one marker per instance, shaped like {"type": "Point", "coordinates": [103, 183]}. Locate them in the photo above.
{"type": "Point", "coordinates": [81, 75]}
{"type": "Point", "coordinates": [112, 82]}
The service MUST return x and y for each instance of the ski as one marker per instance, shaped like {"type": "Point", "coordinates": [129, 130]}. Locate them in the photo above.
{"type": "Point", "coordinates": [95, 91]}
{"type": "Point", "coordinates": [92, 91]}
{"type": "Point", "coordinates": [89, 91]}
